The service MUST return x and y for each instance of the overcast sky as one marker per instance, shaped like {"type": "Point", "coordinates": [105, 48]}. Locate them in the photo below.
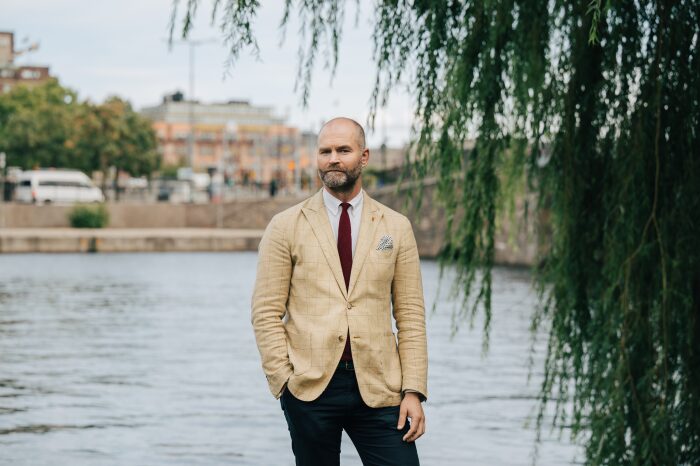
{"type": "Point", "coordinates": [102, 48]}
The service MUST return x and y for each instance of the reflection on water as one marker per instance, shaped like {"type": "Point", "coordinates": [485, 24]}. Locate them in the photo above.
{"type": "Point", "coordinates": [116, 359]}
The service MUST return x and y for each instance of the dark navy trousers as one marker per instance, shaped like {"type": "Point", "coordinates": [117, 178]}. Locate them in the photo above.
{"type": "Point", "coordinates": [316, 427]}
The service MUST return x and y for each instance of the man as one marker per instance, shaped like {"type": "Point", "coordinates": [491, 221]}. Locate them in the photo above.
{"type": "Point", "coordinates": [331, 272]}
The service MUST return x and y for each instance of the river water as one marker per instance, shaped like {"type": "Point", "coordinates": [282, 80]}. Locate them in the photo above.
{"type": "Point", "coordinates": [150, 359]}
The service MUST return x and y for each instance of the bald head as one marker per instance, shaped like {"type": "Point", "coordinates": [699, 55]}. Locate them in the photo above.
{"type": "Point", "coordinates": [342, 121]}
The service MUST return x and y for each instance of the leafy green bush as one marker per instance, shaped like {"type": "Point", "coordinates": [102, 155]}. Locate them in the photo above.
{"type": "Point", "coordinates": [92, 216]}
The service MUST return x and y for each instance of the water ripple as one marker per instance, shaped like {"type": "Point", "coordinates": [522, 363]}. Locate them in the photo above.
{"type": "Point", "coordinates": [150, 359]}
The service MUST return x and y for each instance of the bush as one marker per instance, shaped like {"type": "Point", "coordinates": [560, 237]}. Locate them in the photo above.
{"type": "Point", "coordinates": [94, 216]}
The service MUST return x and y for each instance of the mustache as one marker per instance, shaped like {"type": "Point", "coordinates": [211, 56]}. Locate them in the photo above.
{"type": "Point", "coordinates": [335, 169]}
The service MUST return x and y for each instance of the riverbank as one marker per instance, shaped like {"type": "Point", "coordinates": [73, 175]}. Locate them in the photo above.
{"type": "Point", "coordinates": [25, 240]}
{"type": "Point", "coordinates": [86, 240]}
{"type": "Point", "coordinates": [234, 226]}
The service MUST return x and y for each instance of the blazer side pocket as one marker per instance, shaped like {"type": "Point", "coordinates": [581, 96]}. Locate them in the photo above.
{"type": "Point", "coordinates": [391, 362]}
{"type": "Point", "coordinates": [299, 350]}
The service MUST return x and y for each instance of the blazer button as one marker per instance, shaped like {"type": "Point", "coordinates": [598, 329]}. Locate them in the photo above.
{"type": "Point", "coordinates": [340, 337]}
{"type": "Point", "coordinates": [349, 306]}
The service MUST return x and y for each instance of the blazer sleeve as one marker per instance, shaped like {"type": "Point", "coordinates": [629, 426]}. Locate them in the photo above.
{"type": "Point", "coordinates": [409, 313]}
{"type": "Point", "coordinates": [269, 304]}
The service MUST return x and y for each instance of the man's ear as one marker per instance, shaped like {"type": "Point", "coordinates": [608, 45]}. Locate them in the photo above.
{"type": "Point", "coordinates": [365, 156]}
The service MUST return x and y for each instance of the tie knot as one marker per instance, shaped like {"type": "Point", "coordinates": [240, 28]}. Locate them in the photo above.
{"type": "Point", "coordinates": [344, 205]}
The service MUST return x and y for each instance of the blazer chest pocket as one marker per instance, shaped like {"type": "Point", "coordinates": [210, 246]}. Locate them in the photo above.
{"type": "Point", "coordinates": [299, 350]}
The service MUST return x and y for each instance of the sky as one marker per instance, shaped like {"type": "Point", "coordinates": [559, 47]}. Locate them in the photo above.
{"type": "Point", "coordinates": [104, 48]}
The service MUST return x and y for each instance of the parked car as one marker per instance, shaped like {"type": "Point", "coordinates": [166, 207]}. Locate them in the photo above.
{"type": "Point", "coordinates": [56, 187]}
{"type": "Point", "coordinates": [175, 191]}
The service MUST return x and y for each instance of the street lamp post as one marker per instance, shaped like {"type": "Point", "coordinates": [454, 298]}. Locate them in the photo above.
{"type": "Point", "coordinates": [2, 189]}
{"type": "Point", "coordinates": [190, 138]}
{"type": "Point", "coordinates": [191, 118]}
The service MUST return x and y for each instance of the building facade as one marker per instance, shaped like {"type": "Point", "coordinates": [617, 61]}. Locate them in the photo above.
{"type": "Point", "coordinates": [12, 75]}
{"type": "Point", "coordinates": [248, 144]}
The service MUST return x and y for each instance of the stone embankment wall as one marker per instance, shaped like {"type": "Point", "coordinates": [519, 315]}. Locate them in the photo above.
{"type": "Point", "coordinates": [243, 214]}
{"type": "Point", "coordinates": [516, 242]}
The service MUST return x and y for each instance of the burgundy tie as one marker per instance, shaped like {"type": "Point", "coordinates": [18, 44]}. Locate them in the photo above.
{"type": "Point", "coordinates": [345, 243]}
{"type": "Point", "coordinates": [345, 253]}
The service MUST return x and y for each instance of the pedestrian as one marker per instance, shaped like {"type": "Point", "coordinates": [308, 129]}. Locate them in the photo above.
{"type": "Point", "coordinates": [331, 272]}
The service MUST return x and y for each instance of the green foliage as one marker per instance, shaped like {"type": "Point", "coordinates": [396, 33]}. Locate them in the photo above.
{"type": "Point", "coordinates": [89, 216]}
{"type": "Point", "coordinates": [36, 126]}
{"type": "Point", "coordinates": [596, 107]}
{"type": "Point", "coordinates": [46, 126]}
{"type": "Point", "coordinates": [169, 171]}
{"type": "Point", "coordinates": [112, 134]}
{"type": "Point", "coordinates": [236, 23]}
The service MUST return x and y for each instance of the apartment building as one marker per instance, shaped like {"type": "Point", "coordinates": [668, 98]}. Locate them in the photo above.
{"type": "Point", "coordinates": [245, 142]}
{"type": "Point", "coordinates": [12, 75]}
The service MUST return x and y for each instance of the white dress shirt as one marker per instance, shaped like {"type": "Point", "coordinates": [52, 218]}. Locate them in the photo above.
{"type": "Point", "coordinates": [354, 211]}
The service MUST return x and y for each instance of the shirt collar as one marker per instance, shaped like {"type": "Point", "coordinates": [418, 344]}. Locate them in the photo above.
{"type": "Point", "coordinates": [333, 203]}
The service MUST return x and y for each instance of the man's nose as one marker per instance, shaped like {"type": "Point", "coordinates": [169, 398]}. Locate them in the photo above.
{"type": "Point", "coordinates": [334, 157]}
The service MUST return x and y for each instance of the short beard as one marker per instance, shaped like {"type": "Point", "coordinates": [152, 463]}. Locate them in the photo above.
{"type": "Point", "coordinates": [341, 184]}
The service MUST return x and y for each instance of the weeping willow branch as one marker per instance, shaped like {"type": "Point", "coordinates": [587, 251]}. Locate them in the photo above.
{"type": "Point", "coordinates": [595, 107]}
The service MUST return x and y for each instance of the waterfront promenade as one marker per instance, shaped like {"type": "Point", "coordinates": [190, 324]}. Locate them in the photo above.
{"type": "Point", "coordinates": [232, 226]}
{"type": "Point", "coordinates": [23, 240]}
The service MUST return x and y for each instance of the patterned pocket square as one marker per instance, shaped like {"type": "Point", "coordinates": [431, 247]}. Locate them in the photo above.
{"type": "Point", "coordinates": [385, 244]}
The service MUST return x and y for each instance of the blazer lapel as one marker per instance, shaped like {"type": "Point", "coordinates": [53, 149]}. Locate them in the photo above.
{"type": "Point", "coordinates": [318, 219]}
{"type": "Point", "coordinates": [371, 215]}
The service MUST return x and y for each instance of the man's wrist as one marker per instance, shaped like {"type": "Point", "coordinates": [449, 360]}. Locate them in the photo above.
{"type": "Point", "coordinates": [420, 396]}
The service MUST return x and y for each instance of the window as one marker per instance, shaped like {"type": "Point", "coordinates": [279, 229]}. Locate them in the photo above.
{"type": "Point", "coordinates": [206, 149]}
{"type": "Point", "coordinates": [60, 183]}
{"type": "Point", "coordinates": [30, 74]}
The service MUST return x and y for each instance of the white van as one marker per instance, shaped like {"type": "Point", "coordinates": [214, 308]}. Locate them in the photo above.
{"type": "Point", "coordinates": [56, 187]}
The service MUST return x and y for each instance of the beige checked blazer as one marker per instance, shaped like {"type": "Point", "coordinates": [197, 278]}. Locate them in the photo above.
{"type": "Point", "coordinates": [301, 311]}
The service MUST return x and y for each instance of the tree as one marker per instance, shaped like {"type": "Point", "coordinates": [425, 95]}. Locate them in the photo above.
{"type": "Point", "coordinates": [595, 107]}
{"type": "Point", "coordinates": [46, 126]}
{"type": "Point", "coordinates": [36, 126]}
{"type": "Point", "coordinates": [113, 135]}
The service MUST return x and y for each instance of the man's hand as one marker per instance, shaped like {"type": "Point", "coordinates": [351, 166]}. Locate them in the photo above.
{"type": "Point", "coordinates": [412, 408]}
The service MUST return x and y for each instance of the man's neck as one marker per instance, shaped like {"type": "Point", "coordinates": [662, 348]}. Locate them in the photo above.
{"type": "Point", "coordinates": [345, 196]}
